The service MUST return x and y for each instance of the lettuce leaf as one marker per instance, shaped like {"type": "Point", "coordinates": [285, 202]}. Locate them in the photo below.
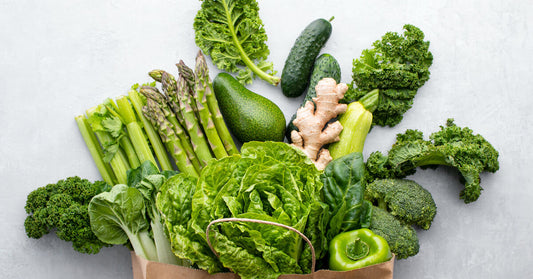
{"type": "Point", "coordinates": [232, 33]}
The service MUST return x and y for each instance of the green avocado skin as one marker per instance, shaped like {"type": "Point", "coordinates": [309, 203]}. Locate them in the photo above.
{"type": "Point", "coordinates": [249, 116]}
{"type": "Point", "coordinates": [299, 63]}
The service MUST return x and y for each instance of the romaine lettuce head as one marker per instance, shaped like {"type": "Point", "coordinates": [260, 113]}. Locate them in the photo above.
{"type": "Point", "coordinates": [269, 181]}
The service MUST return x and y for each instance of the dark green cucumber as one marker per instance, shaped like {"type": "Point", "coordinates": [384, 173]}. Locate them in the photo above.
{"type": "Point", "coordinates": [299, 63]}
{"type": "Point", "coordinates": [325, 66]}
{"type": "Point", "coordinates": [249, 116]}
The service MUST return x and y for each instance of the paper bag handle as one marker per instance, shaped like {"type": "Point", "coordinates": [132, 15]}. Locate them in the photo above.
{"type": "Point", "coordinates": [313, 256]}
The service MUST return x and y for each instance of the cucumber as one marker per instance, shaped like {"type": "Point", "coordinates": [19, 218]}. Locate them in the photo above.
{"type": "Point", "coordinates": [299, 63]}
{"type": "Point", "coordinates": [325, 66]}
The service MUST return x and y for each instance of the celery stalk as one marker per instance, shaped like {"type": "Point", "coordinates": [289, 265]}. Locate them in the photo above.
{"type": "Point", "coordinates": [151, 133]}
{"type": "Point", "coordinates": [135, 132]}
{"type": "Point", "coordinates": [95, 150]}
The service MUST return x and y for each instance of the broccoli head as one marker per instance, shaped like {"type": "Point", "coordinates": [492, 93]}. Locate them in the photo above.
{"type": "Point", "coordinates": [397, 65]}
{"type": "Point", "coordinates": [63, 206]}
{"type": "Point", "coordinates": [401, 237]}
{"type": "Point", "coordinates": [404, 199]}
{"type": "Point", "coordinates": [452, 146]}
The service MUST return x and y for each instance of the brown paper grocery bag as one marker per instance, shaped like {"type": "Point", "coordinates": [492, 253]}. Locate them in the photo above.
{"type": "Point", "coordinates": [144, 269]}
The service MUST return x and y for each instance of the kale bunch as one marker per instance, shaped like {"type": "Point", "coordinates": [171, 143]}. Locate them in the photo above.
{"type": "Point", "coordinates": [471, 154]}
{"type": "Point", "coordinates": [63, 206]}
{"type": "Point", "coordinates": [397, 65]}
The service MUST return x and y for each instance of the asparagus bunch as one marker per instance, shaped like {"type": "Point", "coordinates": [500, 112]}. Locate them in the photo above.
{"type": "Point", "coordinates": [189, 105]}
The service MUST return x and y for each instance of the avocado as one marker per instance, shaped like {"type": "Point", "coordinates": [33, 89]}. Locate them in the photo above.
{"type": "Point", "coordinates": [249, 116]}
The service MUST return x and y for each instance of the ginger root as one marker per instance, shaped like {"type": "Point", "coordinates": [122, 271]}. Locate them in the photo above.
{"type": "Point", "coordinates": [311, 122]}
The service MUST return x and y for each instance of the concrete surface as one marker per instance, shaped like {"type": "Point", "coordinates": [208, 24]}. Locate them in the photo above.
{"type": "Point", "coordinates": [59, 58]}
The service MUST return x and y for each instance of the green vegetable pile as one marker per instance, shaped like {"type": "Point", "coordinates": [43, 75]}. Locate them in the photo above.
{"type": "Point", "coordinates": [171, 168]}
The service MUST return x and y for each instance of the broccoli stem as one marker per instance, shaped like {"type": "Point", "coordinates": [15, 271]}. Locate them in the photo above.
{"type": "Point", "coordinates": [95, 150]}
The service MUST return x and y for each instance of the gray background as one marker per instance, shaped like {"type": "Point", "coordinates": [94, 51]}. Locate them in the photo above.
{"type": "Point", "coordinates": [59, 58]}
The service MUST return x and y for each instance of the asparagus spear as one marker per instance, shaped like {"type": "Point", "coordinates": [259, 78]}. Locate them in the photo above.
{"type": "Point", "coordinates": [156, 74]}
{"type": "Point", "coordinates": [155, 114]}
{"type": "Point", "coordinates": [204, 115]}
{"type": "Point", "coordinates": [184, 103]}
{"type": "Point", "coordinates": [205, 90]}
{"type": "Point", "coordinates": [155, 99]}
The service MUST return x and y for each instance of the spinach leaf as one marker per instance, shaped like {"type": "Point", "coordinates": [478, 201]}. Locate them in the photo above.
{"type": "Point", "coordinates": [344, 188]}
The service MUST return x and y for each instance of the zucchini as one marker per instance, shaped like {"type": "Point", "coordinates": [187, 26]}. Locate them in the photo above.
{"type": "Point", "coordinates": [299, 63]}
{"type": "Point", "coordinates": [325, 66]}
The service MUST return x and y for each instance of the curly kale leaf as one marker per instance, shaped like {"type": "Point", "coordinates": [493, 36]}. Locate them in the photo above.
{"type": "Point", "coordinates": [397, 65]}
{"type": "Point", "coordinates": [232, 33]}
{"type": "Point", "coordinates": [62, 207]}
{"type": "Point", "coordinates": [471, 154]}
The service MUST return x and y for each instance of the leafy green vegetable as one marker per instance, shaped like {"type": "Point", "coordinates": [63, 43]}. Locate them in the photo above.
{"type": "Point", "coordinates": [63, 206]}
{"type": "Point", "coordinates": [452, 146]}
{"type": "Point", "coordinates": [269, 181]}
{"type": "Point", "coordinates": [404, 199]}
{"type": "Point", "coordinates": [344, 188]}
{"type": "Point", "coordinates": [401, 237]}
{"type": "Point", "coordinates": [397, 65]}
{"type": "Point", "coordinates": [129, 213]}
{"type": "Point", "coordinates": [232, 33]}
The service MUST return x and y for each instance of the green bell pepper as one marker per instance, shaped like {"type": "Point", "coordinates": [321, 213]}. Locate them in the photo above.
{"type": "Point", "coordinates": [356, 249]}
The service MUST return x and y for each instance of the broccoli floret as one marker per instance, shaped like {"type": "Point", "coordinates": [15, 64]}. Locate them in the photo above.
{"type": "Point", "coordinates": [63, 206]}
{"type": "Point", "coordinates": [451, 146]}
{"type": "Point", "coordinates": [397, 65]}
{"type": "Point", "coordinates": [404, 199]}
{"type": "Point", "coordinates": [401, 238]}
